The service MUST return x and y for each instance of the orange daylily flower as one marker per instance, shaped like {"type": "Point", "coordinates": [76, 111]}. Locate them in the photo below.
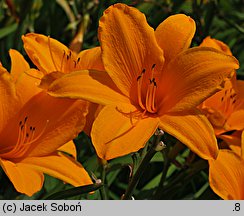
{"type": "Point", "coordinates": [49, 55]}
{"type": "Point", "coordinates": [225, 109]}
{"type": "Point", "coordinates": [153, 80]}
{"type": "Point", "coordinates": [226, 174]}
{"type": "Point", "coordinates": [54, 60]}
{"type": "Point", "coordinates": [33, 127]}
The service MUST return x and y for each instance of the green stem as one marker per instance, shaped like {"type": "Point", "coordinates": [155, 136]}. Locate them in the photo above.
{"type": "Point", "coordinates": [160, 189]}
{"type": "Point", "coordinates": [73, 192]}
{"type": "Point", "coordinates": [103, 190]}
{"type": "Point", "coordinates": [141, 169]}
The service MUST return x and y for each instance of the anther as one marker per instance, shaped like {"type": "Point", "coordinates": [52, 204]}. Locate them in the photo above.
{"type": "Point", "coordinates": [153, 66]}
{"type": "Point", "coordinates": [139, 77]}
{"type": "Point", "coordinates": [78, 60]}
{"type": "Point", "coordinates": [25, 119]}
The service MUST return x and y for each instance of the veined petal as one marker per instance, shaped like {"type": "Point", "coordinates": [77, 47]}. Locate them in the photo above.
{"type": "Point", "coordinates": [69, 148]}
{"type": "Point", "coordinates": [46, 53]}
{"type": "Point", "coordinates": [118, 132]}
{"type": "Point", "coordinates": [8, 98]}
{"type": "Point", "coordinates": [90, 59]}
{"type": "Point", "coordinates": [56, 121]}
{"type": "Point", "coordinates": [193, 76]}
{"type": "Point", "coordinates": [174, 35]}
{"type": "Point", "coordinates": [18, 64]}
{"type": "Point", "coordinates": [194, 130]}
{"type": "Point", "coordinates": [226, 175]}
{"type": "Point", "coordinates": [94, 86]}
{"type": "Point", "coordinates": [60, 166]}
{"type": "Point", "coordinates": [25, 179]}
{"type": "Point", "coordinates": [128, 46]}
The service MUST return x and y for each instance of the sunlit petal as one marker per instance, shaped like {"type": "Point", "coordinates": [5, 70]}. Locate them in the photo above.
{"type": "Point", "coordinates": [174, 35]}
{"type": "Point", "coordinates": [128, 133]}
{"type": "Point", "coordinates": [226, 175]}
{"type": "Point", "coordinates": [24, 178]}
{"type": "Point", "coordinates": [192, 129]}
{"type": "Point", "coordinates": [128, 45]}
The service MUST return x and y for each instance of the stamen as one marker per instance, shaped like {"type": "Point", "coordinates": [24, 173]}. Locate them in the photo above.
{"type": "Point", "coordinates": [25, 139]}
{"type": "Point", "coordinates": [49, 45]}
{"type": "Point", "coordinates": [150, 97]}
{"type": "Point", "coordinates": [137, 115]}
{"type": "Point", "coordinates": [139, 89]}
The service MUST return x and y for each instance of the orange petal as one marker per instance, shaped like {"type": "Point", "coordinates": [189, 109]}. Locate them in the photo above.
{"type": "Point", "coordinates": [69, 148]}
{"type": "Point", "coordinates": [240, 89]}
{"type": "Point", "coordinates": [94, 86]}
{"type": "Point", "coordinates": [194, 130]}
{"type": "Point", "coordinates": [60, 166]}
{"type": "Point", "coordinates": [24, 178]}
{"type": "Point", "coordinates": [9, 100]}
{"type": "Point", "coordinates": [236, 120]}
{"type": "Point", "coordinates": [48, 79]}
{"type": "Point", "coordinates": [46, 53]}
{"type": "Point", "coordinates": [128, 45]}
{"type": "Point", "coordinates": [90, 59]}
{"type": "Point", "coordinates": [242, 145]}
{"type": "Point", "coordinates": [18, 64]}
{"type": "Point", "coordinates": [93, 111]}
{"type": "Point", "coordinates": [116, 133]}
{"type": "Point", "coordinates": [56, 122]}
{"type": "Point", "coordinates": [193, 76]}
{"type": "Point", "coordinates": [174, 35]}
{"type": "Point", "coordinates": [233, 141]}
{"type": "Point", "coordinates": [226, 175]}
{"type": "Point", "coordinates": [26, 79]}
{"type": "Point", "coordinates": [27, 84]}
{"type": "Point", "coordinates": [216, 44]}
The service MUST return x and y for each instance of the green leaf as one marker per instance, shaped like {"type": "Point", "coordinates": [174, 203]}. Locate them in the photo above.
{"type": "Point", "coordinates": [74, 192]}
{"type": "Point", "coordinates": [8, 30]}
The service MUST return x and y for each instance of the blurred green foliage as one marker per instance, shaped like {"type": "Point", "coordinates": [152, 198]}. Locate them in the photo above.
{"type": "Point", "coordinates": [187, 176]}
